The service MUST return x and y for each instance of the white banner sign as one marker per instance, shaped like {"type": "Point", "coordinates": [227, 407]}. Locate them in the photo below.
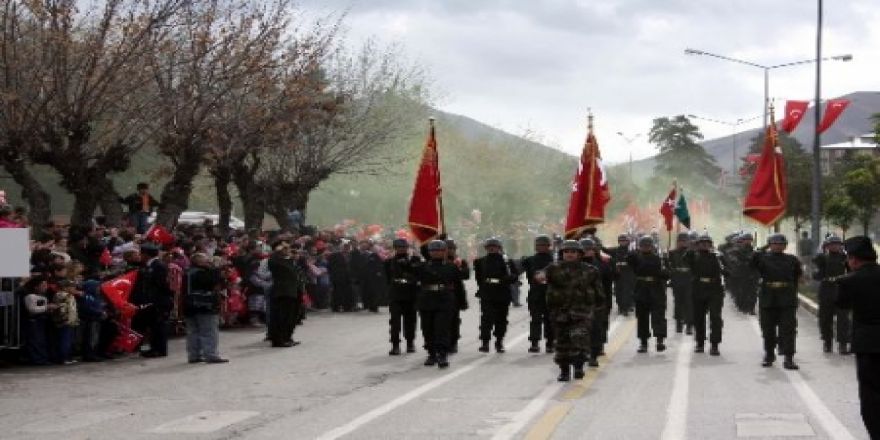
{"type": "Point", "coordinates": [15, 252]}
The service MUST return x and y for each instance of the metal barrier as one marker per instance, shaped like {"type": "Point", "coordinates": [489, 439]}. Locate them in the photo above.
{"type": "Point", "coordinates": [10, 314]}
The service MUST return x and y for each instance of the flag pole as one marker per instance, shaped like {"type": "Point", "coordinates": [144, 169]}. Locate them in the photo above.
{"type": "Point", "coordinates": [439, 186]}
{"type": "Point", "coordinates": [669, 232]}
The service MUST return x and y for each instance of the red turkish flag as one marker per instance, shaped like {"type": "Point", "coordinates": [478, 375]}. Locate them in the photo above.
{"type": "Point", "coordinates": [426, 205]}
{"type": "Point", "coordinates": [768, 193]}
{"type": "Point", "coordinates": [833, 109]}
{"type": "Point", "coordinates": [667, 210]}
{"type": "Point", "coordinates": [794, 112]}
{"type": "Point", "coordinates": [589, 190]}
{"type": "Point", "coordinates": [118, 291]}
{"type": "Point", "coordinates": [158, 234]}
{"type": "Point", "coordinates": [105, 259]}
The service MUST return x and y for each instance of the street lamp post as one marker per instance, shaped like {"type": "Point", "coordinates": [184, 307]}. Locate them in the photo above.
{"type": "Point", "coordinates": [767, 69]}
{"type": "Point", "coordinates": [629, 140]}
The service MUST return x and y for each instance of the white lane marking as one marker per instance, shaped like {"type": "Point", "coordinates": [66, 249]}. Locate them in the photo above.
{"type": "Point", "coordinates": [63, 423]}
{"type": "Point", "coordinates": [830, 423]}
{"type": "Point", "coordinates": [536, 405]}
{"type": "Point", "coordinates": [402, 400]}
{"type": "Point", "coordinates": [204, 422]}
{"type": "Point", "coordinates": [676, 412]}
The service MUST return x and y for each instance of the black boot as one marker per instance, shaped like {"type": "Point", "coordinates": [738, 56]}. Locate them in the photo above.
{"type": "Point", "coordinates": [843, 348]}
{"type": "Point", "coordinates": [535, 348]}
{"type": "Point", "coordinates": [410, 347]}
{"type": "Point", "coordinates": [789, 364]}
{"type": "Point", "coordinates": [551, 347]}
{"type": "Point", "coordinates": [442, 360]}
{"type": "Point", "coordinates": [826, 347]}
{"type": "Point", "coordinates": [499, 345]}
{"type": "Point", "coordinates": [594, 357]}
{"type": "Point", "coordinates": [564, 373]}
{"type": "Point", "coordinates": [660, 345]}
{"type": "Point", "coordinates": [453, 348]}
{"type": "Point", "coordinates": [395, 349]}
{"type": "Point", "coordinates": [689, 329]}
{"type": "Point", "coordinates": [579, 370]}
{"type": "Point", "coordinates": [714, 350]}
{"type": "Point", "coordinates": [678, 326]}
{"type": "Point", "coordinates": [769, 358]}
{"type": "Point", "coordinates": [431, 360]}
{"type": "Point", "coordinates": [484, 347]}
{"type": "Point", "coordinates": [643, 346]}
{"type": "Point", "coordinates": [699, 348]}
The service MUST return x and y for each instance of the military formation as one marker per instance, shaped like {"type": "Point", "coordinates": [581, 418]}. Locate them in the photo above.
{"type": "Point", "coordinates": [573, 286]}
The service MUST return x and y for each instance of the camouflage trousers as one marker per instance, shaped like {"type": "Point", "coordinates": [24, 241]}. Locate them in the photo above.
{"type": "Point", "coordinates": [572, 336]}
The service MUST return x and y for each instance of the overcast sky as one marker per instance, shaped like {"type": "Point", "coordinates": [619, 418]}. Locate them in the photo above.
{"type": "Point", "coordinates": [538, 65]}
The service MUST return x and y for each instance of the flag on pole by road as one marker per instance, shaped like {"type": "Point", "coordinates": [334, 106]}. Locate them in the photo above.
{"type": "Point", "coordinates": [681, 211]}
{"type": "Point", "coordinates": [667, 209]}
{"type": "Point", "coordinates": [589, 189]}
{"type": "Point", "coordinates": [833, 109]}
{"type": "Point", "coordinates": [794, 112]}
{"type": "Point", "coordinates": [768, 191]}
{"type": "Point", "coordinates": [426, 205]}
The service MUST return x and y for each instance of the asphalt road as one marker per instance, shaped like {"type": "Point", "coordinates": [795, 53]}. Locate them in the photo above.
{"type": "Point", "coordinates": [340, 383]}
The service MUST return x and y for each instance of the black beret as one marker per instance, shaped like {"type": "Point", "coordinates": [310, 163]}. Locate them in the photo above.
{"type": "Point", "coordinates": [861, 248]}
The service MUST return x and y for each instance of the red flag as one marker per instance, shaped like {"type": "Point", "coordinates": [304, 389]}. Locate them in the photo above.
{"type": "Point", "coordinates": [667, 210]}
{"type": "Point", "coordinates": [794, 112]}
{"type": "Point", "coordinates": [117, 292]}
{"type": "Point", "coordinates": [158, 234]}
{"type": "Point", "coordinates": [105, 258]}
{"type": "Point", "coordinates": [426, 205]}
{"type": "Point", "coordinates": [768, 194]}
{"type": "Point", "coordinates": [833, 110]}
{"type": "Point", "coordinates": [589, 190]}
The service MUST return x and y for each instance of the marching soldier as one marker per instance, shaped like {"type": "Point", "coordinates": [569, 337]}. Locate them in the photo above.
{"type": "Point", "coordinates": [831, 265]}
{"type": "Point", "coordinates": [461, 302]}
{"type": "Point", "coordinates": [494, 277]}
{"type": "Point", "coordinates": [726, 259]}
{"type": "Point", "coordinates": [435, 301]}
{"type": "Point", "coordinates": [573, 290]}
{"type": "Point", "coordinates": [650, 293]}
{"type": "Point", "coordinates": [624, 281]}
{"type": "Point", "coordinates": [742, 274]}
{"type": "Point", "coordinates": [401, 271]}
{"type": "Point", "coordinates": [682, 283]}
{"type": "Point", "coordinates": [601, 311]}
{"type": "Point", "coordinates": [708, 294]}
{"type": "Point", "coordinates": [537, 298]}
{"type": "Point", "coordinates": [780, 274]}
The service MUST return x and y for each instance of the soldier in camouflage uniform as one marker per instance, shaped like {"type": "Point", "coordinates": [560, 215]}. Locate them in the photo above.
{"type": "Point", "coordinates": [624, 279]}
{"type": "Point", "coordinates": [682, 280]}
{"type": "Point", "coordinates": [573, 290]}
{"type": "Point", "coordinates": [831, 265]}
{"type": "Point", "coordinates": [780, 275]}
{"type": "Point", "coordinates": [650, 293]}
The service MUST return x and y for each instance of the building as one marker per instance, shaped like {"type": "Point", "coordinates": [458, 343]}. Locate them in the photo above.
{"type": "Point", "coordinates": [832, 153]}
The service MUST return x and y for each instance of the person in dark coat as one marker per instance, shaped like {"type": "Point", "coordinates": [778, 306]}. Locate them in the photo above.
{"type": "Point", "coordinates": [201, 307]}
{"type": "Point", "coordinates": [624, 278]}
{"type": "Point", "coordinates": [601, 309]}
{"type": "Point", "coordinates": [402, 274]}
{"type": "Point", "coordinates": [540, 324]}
{"type": "Point", "coordinates": [830, 265]}
{"type": "Point", "coordinates": [682, 284]}
{"type": "Point", "coordinates": [857, 291]}
{"type": "Point", "coordinates": [288, 281]}
{"type": "Point", "coordinates": [341, 277]}
{"type": "Point", "coordinates": [436, 300]}
{"type": "Point", "coordinates": [707, 294]}
{"type": "Point", "coordinates": [372, 277]}
{"type": "Point", "coordinates": [778, 301]}
{"type": "Point", "coordinates": [140, 205]}
{"type": "Point", "coordinates": [494, 276]}
{"type": "Point", "coordinates": [650, 293]}
{"type": "Point", "coordinates": [153, 297]}
{"type": "Point", "coordinates": [461, 302]}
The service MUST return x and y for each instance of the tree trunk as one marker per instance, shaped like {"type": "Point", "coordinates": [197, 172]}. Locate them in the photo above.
{"type": "Point", "coordinates": [175, 193]}
{"type": "Point", "coordinates": [84, 204]}
{"type": "Point", "coordinates": [38, 200]}
{"type": "Point", "coordinates": [285, 200]}
{"type": "Point", "coordinates": [253, 200]}
{"type": "Point", "coordinates": [108, 201]}
{"type": "Point", "coordinates": [222, 179]}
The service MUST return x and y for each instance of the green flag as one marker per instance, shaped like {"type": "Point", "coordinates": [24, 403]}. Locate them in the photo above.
{"type": "Point", "coordinates": [681, 211]}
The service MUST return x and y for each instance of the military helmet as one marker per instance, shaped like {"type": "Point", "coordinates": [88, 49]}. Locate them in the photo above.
{"type": "Point", "coordinates": [777, 239]}
{"type": "Point", "coordinates": [492, 242]}
{"type": "Point", "coordinates": [587, 243]}
{"type": "Point", "coordinates": [646, 241]}
{"type": "Point", "coordinates": [683, 236]}
{"type": "Point", "coordinates": [833, 239]}
{"type": "Point", "coordinates": [623, 237]}
{"type": "Point", "coordinates": [543, 239]}
{"type": "Point", "coordinates": [747, 236]}
{"type": "Point", "coordinates": [704, 238]}
{"type": "Point", "coordinates": [450, 244]}
{"type": "Point", "coordinates": [571, 245]}
{"type": "Point", "coordinates": [400, 243]}
{"type": "Point", "coordinates": [437, 245]}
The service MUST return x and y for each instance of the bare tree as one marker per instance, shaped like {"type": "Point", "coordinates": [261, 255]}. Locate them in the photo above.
{"type": "Point", "coordinates": [219, 47]}
{"type": "Point", "coordinates": [341, 115]}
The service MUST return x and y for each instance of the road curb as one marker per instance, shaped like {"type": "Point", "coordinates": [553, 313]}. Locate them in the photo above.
{"type": "Point", "coordinates": [808, 304]}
